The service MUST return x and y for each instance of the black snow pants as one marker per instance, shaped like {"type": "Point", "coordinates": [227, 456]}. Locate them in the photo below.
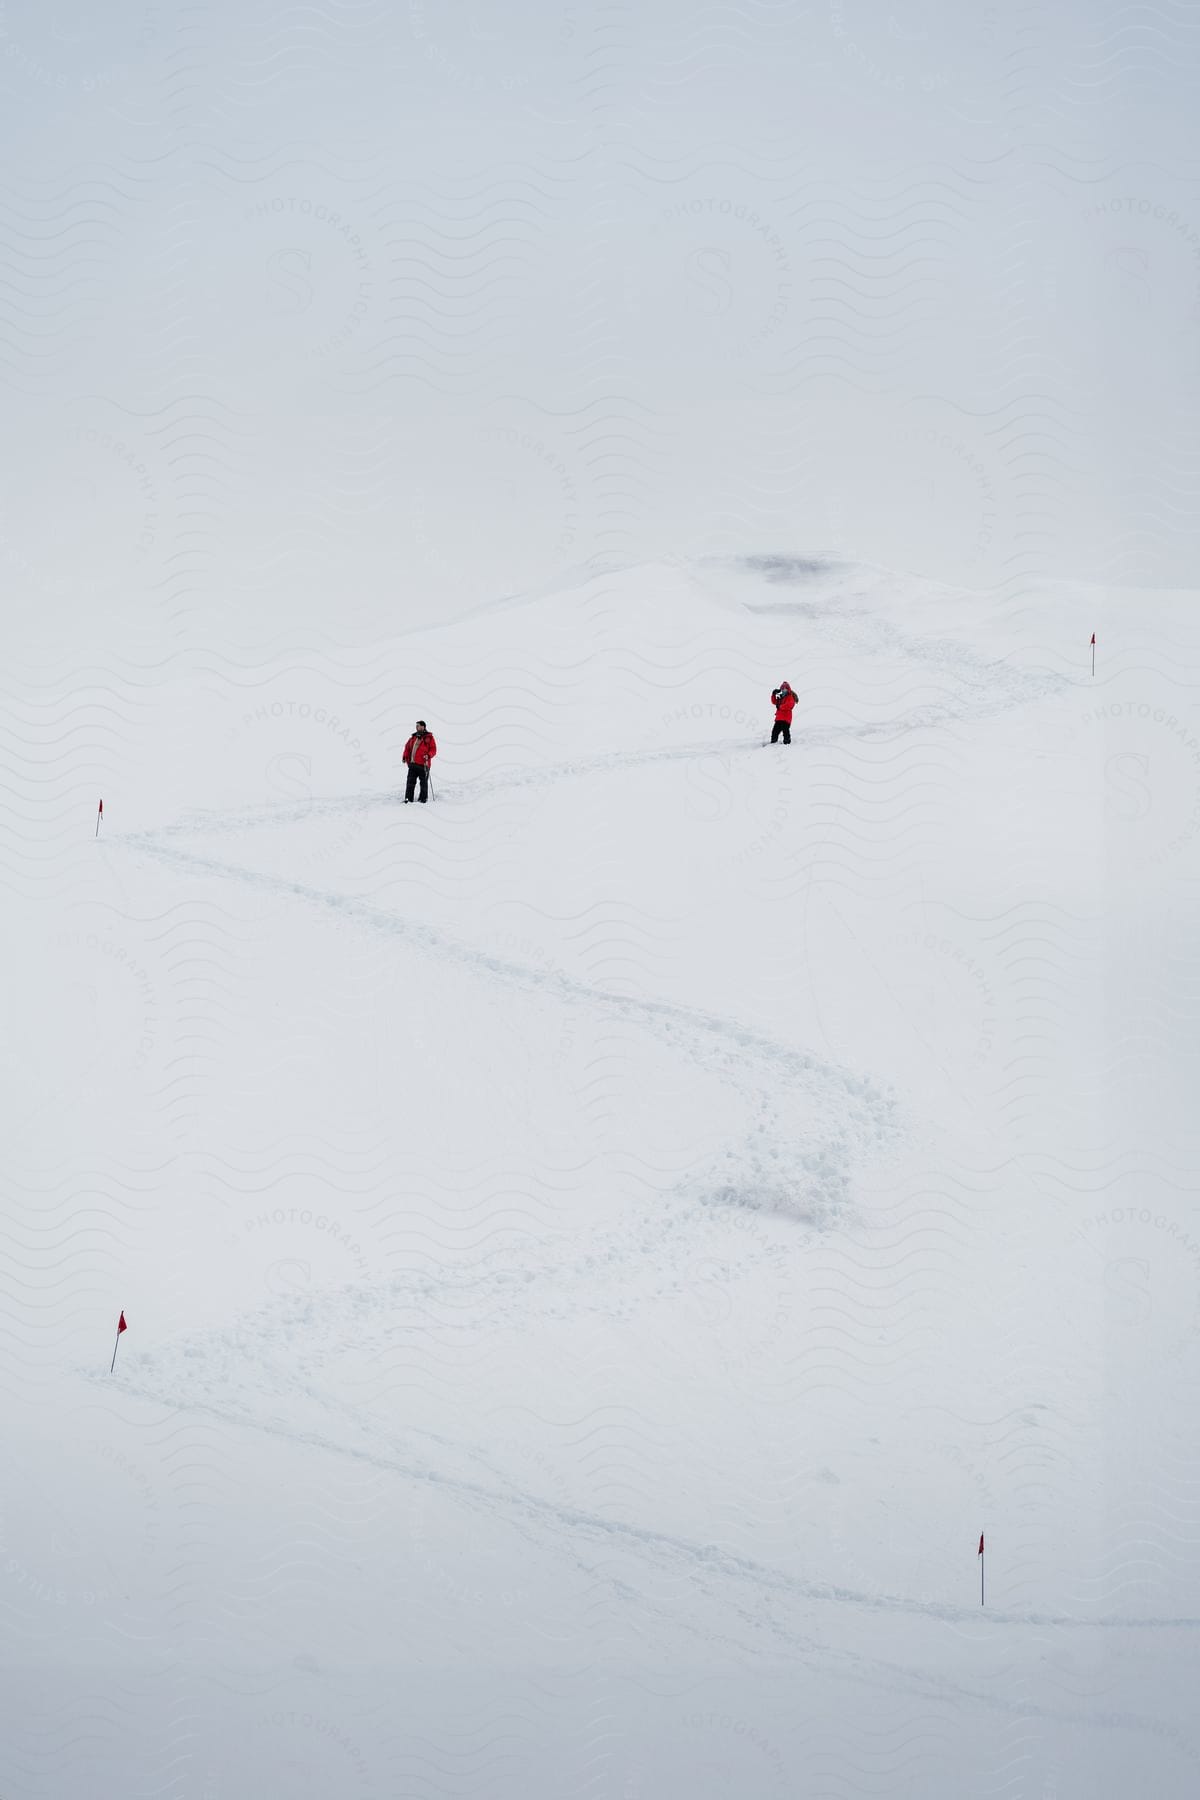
{"type": "Point", "coordinates": [417, 772]}
{"type": "Point", "coordinates": [781, 728]}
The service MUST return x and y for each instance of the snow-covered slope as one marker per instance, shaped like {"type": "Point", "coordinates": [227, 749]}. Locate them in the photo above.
{"type": "Point", "coordinates": [600, 1248]}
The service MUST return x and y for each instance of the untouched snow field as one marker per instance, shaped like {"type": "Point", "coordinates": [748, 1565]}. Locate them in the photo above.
{"type": "Point", "coordinates": [599, 1249]}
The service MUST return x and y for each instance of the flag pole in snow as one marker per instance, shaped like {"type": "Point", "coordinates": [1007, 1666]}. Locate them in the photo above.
{"type": "Point", "coordinates": [1093, 653]}
{"type": "Point", "coordinates": [99, 816]}
{"type": "Point", "coordinates": [121, 1326]}
{"type": "Point", "coordinates": [981, 1562]}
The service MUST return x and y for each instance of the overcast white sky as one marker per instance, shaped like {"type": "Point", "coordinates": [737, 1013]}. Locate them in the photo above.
{"type": "Point", "coordinates": [398, 307]}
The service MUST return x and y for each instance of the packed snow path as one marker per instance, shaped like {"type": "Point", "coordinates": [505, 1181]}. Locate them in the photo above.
{"type": "Point", "coordinates": [602, 1246]}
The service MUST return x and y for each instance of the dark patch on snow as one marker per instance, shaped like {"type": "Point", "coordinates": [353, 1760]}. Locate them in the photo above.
{"type": "Point", "coordinates": [789, 569]}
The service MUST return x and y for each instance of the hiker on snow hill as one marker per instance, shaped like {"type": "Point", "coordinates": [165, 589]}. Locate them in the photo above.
{"type": "Point", "coordinates": [419, 752]}
{"type": "Point", "coordinates": [784, 702]}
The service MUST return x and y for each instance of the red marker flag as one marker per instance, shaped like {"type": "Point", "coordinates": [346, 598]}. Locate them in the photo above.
{"type": "Point", "coordinates": [99, 816]}
{"type": "Point", "coordinates": [980, 1535]}
{"type": "Point", "coordinates": [121, 1326]}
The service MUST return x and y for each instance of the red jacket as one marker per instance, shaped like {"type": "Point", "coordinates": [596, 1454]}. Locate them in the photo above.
{"type": "Point", "coordinates": [785, 705]}
{"type": "Point", "coordinates": [420, 750]}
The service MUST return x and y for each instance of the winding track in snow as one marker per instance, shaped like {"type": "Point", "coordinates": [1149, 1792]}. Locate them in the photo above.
{"type": "Point", "coordinates": [856, 1118]}
{"type": "Point", "coordinates": [479, 787]}
{"type": "Point", "coordinates": [763, 1585]}
{"type": "Point", "coordinates": [862, 1118]}
{"type": "Point", "coordinates": [696, 1556]}
{"type": "Point", "coordinates": [797, 1064]}
{"type": "Point", "coordinates": [868, 1106]}
{"type": "Point", "coordinates": [476, 787]}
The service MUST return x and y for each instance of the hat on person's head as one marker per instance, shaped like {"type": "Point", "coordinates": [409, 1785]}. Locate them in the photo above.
{"type": "Point", "coordinates": [421, 725]}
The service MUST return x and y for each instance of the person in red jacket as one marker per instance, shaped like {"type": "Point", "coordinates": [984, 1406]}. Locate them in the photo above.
{"type": "Point", "coordinates": [784, 702]}
{"type": "Point", "coordinates": [419, 752]}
